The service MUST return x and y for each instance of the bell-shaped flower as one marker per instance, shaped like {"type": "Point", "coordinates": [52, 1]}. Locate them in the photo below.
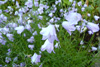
{"type": "Point", "coordinates": [10, 36]}
{"type": "Point", "coordinates": [29, 3]}
{"type": "Point", "coordinates": [73, 17]}
{"type": "Point", "coordinates": [69, 27]}
{"type": "Point", "coordinates": [35, 58]}
{"type": "Point", "coordinates": [31, 39]}
{"type": "Point", "coordinates": [49, 33]}
{"type": "Point", "coordinates": [19, 29]}
{"type": "Point", "coordinates": [92, 27]}
{"type": "Point", "coordinates": [96, 17]}
{"type": "Point", "coordinates": [31, 47]}
{"type": "Point", "coordinates": [94, 48]}
{"type": "Point", "coordinates": [47, 46]}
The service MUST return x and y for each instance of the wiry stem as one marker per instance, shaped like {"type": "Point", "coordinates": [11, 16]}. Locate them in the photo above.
{"type": "Point", "coordinates": [87, 2]}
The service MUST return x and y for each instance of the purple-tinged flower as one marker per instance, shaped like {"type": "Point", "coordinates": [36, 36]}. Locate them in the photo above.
{"type": "Point", "coordinates": [35, 33]}
{"type": "Point", "coordinates": [68, 26]}
{"type": "Point", "coordinates": [0, 11]}
{"type": "Point", "coordinates": [31, 39]}
{"type": "Point", "coordinates": [82, 8]}
{"type": "Point", "coordinates": [36, 4]}
{"type": "Point", "coordinates": [50, 14]}
{"type": "Point", "coordinates": [22, 64]}
{"type": "Point", "coordinates": [36, 0]}
{"type": "Point", "coordinates": [74, 3]}
{"type": "Point", "coordinates": [9, 52]}
{"type": "Point", "coordinates": [19, 29]}
{"type": "Point", "coordinates": [79, 3]}
{"type": "Point", "coordinates": [96, 17]}
{"type": "Point", "coordinates": [57, 27]}
{"type": "Point", "coordinates": [61, 10]}
{"type": "Point", "coordinates": [56, 2]}
{"type": "Point", "coordinates": [40, 10]}
{"type": "Point", "coordinates": [1, 65]}
{"type": "Point", "coordinates": [40, 17]}
{"type": "Point", "coordinates": [47, 46]}
{"type": "Point", "coordinates": [83, 27]}
{"type": "Point", "coordinates": [29, 21]}
{"type": "Point", "coordinates": [35, 58]}
{"type": "Point", "coordinates": [90, 32]}
{"type": "Point", "coordinates": [3, 2]}
{"type": "Point", "coordinates": [13, 0]}
{"type": "Point", "coordinates": [6, 10]}
{"type": "Point", "coordinates": [7, 59]}
{"type": "Point", "coordinates": [59, 1]}
{"type": "Point", "coordinates": [94, 48]}
{"type": "Point", "coordinates": [40, 65]}
{"type": "Point", "coordinates": [31, 47]}
{"type": "Point", "coordinates": [85, 5]}
{"type": "Point", "coordinates": [39, 26]}
{"type": "Point", "coordinates": [15, 59]}
{"type": "Point", "coordinates": [17, 4]}
{"type": "Point", "coordinates": [12, 25]}
{"type": "Point", "coordinates": [73, 17]}
{"type": "Point", "coordinates": [29, 3]}
{"type": "Point", "coordinates": [88, 14]}
{"type": "Point", "coordinates": [28, 27]}
{"type": "Point", "coordinates": [57, 45]}
{"type": "Point", "coordinates": [92, 27]}
{"type": "Point", "coordinates": [5, 30]}
{"type": "Point", "coordinates": [51, 20]}
{"type": "Point", "coordinates": [49, 33]}
{"type": "Point", "coordinates": [4, 42]}
{"type": "Point", "coordinates": [46, 7]}
{"type": "Point", "coordinates": [70, 0]}
{"type": "Point", "coordinates": [81, 42]}
{"type": "Point", "coordinates": [10, 36]}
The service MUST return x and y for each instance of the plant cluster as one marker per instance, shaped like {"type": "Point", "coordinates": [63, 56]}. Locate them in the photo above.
{"type": "Point", "coordinates": [49, 33]}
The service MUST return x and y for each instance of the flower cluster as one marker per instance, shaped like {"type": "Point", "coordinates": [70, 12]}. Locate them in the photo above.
{"type": "Point", "coordinates": [38, 18]}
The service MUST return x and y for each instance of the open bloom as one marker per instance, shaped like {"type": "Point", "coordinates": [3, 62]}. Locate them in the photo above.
{"type": "Point", "coordinates": [35, 58]}
{"type": "Point", "coordinates": [94, 48]}
{"type": "Point", "coordinates": [29, 3]}
{"type": "Point", "coordinates": [49, 33]}
{"type": "Point", "coordinates": [92, 27]}
{"type": "Point", "coordinates": [96, 17]}
{"type": "Point", "coordinates": [19, 29]}
{"type": "Point", "coordinates": [47, 46]}
{"type": "Point", "coordinates": [69, 27]}
{"type": "Point", "coordinates": [73, 17]}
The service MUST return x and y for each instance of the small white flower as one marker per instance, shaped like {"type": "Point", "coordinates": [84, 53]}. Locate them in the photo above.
{"type": "Point", "coordinates": [79, 3]}
{"type": "Point", "coordinates": [19, 29]}
{"type": "Point", "coordinates": [69, 27]}
{"type": "Point", "coordinates": [31, 47]}
{"type": "Point", "coordinates": [31, 39]}
{"type": "Point", "coordinates": [28, 27]}
{"type": "Point", "coordinates": [10, 36]}
{"type": "Point", "coordinates": [7, 59]}
{"type": "Point", "coordinates": [94, 48]}
{"type": "Point", "coordinates": [81, 42]}
{"type": "Point", "coordinates": [47, 46]}
{"type": "Point", "coordinates": [96, 17]}
{"type": "Point", "coordinates": [88, 14]}
{"type": "Point", "coordinates": [92, 27]}
{"type": "Point", "coordinates": [29, 3]}
{"type": "Point", "coordinates": [49, 33]}
{"type": "Point", "coordinates": [50, 14]}
{"type": "Point", "coordinates": [70, 0]}
{"type": "Point", "coordinates": [35, 33]}
{"type": "Point", "coordinates": [73, 17]}
{"type": "Point", "coordinates": [57, 45]}
{"type": "Point", "coordinates": [35, 58]}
